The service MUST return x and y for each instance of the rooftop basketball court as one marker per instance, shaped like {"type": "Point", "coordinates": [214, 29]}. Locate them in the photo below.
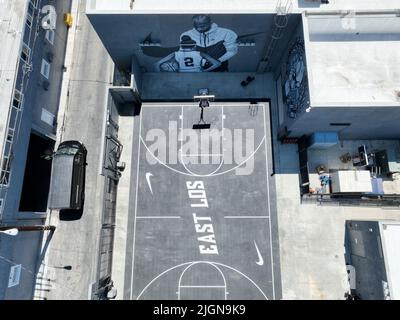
{"type": "Point", "coordinates": [202, 219]}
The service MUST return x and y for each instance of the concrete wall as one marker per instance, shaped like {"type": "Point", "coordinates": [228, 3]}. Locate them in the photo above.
{"type": "Point", "coordinates": [225, 86]}
{"type": "Point", "coordinates": [366, 122]}
{"type": "Point", "coordinates": [122, 35]}
{"type": "Point", "coordinates": [281, 73]}
{"type": "Point", "coordinates": [49, 100]}
{"type": "Point", "coordinates": [137, 75]}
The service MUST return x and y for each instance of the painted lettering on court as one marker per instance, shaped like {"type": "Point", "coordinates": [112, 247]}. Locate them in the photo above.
{"type": "Point", "coordinates": [203, 225]}
{"type": "Point", "coordinates": [208, 244]}
{"type": "Point", "coordinates": [197, 193]}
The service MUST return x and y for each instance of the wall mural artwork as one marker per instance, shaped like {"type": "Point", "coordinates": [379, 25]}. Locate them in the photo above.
{"type": "Point", "coordinates": [295, 83]}
{"type": "Point", "coordinates": [204, 48]}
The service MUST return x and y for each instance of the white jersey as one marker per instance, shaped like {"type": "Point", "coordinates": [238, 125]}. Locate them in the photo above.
{"type": "Point", "coordinates": [189, 61]}
{"type": "Point", "coordinates": [214, 36]}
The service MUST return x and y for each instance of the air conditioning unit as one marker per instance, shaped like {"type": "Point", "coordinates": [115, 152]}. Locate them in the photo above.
{"type": "Point", "coordinates": [45, 85]}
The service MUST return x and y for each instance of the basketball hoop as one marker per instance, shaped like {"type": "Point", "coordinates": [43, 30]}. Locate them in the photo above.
{"type": "Point", "coordinates": [204, 97]}
{"type": "Point", "coordinates": [204, 102]}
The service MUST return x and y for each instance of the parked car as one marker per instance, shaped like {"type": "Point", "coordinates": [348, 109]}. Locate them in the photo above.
{"type": "Point", "coordinates": [67, 186]}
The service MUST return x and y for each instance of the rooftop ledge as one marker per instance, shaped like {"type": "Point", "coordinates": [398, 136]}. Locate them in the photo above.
{"type": "Point", "coordinates": [229, 6]}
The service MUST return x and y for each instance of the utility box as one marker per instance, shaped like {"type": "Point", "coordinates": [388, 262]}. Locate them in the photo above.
{"type": "Point", "coordinates": [377, 186]}
{"type": "Point", "coordinates": [351, 181]}
{"type": "Point", "coordinates": [323, 140]}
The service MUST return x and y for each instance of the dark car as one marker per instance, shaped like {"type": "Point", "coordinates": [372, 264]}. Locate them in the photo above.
{"type": "Point", "coordinates": [67, 186]}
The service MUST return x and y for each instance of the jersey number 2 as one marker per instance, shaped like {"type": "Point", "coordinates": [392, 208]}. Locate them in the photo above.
{"type": "Point", "coordinates": [189, 62]}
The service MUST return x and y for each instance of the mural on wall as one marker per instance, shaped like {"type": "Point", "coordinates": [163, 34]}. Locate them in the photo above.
{"type": "Point", "coordinates": [204, 48]}
{"type": "Point", "coordinates": [295, 82]}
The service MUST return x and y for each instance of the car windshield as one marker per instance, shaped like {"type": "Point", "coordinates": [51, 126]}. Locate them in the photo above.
{"type": "Point", "coordinates": [67, 151]}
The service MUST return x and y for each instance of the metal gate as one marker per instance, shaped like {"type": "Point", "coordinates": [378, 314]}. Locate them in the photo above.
{"type": "Point", "coordinates": [111, 171]}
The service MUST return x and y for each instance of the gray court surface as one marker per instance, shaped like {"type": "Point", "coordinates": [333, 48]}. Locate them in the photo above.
{"type": "Point", "coordinates": [202, 221]}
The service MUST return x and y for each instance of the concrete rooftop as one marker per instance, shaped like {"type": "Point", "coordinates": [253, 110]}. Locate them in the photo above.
{"type": "Point", "coordinates": [11, 26]}
{"type": "Point", "coordinates": [353, 61]}
{"type": "Point", "coordinates": [390, 239]}
{"type": "Point", "coordinates": [231, 6]}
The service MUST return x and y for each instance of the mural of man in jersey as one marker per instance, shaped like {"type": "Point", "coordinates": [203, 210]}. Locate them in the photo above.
{"type": "Point", "coordinates": [206, 47]}
{"type": "Point", "coordinates": [188, 59]}
{"type": "Point", "coordinates": [219, 43]}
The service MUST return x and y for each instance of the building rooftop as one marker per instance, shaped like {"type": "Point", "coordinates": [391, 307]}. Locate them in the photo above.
{"type": "Point", "coordinates": [231, 6]}
{"type": "Point", "coordinates": [11, 27]}
{"type": "Point", "coordinates": [354, 60]}
{"type": "Point", "coordinates": [390, 233]}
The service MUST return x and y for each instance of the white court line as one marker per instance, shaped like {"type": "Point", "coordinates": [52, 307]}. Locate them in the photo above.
{"type": "Point", "coordinates": [269, 207]}
{"type": "Point", "coordinates": [191, 104]}
{"type": "Point", "coordinates": [181, 152]}
{"type": "Point", "coordinates": [191, 265]}
{"type": "Point", "coordinates": [136, 202]}
{"type": "Point", "coordinates": [220, 264]}
{"type": "Point", "coordinates": [200, 175]}
{"type": "Point", "coordinates": [207, 175]}
{"type": "Point", "coordinates": [204, 155]}
{"type": "Point", "coordinates": [203, 287]}
{"type": "Point", "coordinates": [158, 217]}
{"type": "Point", "coordinates": [246, 217]}
{"type": "Point", "coordinates": [194, 262]}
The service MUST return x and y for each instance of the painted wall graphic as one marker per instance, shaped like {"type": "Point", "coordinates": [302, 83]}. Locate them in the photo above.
{"type": "Point", "coordinates": [186, 42]}
{"type": "Point", "coordinates": [295, 83]}
{"type": "Point", "coordinates": [206, 47]}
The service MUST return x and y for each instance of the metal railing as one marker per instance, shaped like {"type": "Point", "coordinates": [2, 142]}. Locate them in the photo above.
{"type": "Point", "coordinates": [353, 200]}
{"type": "Point", "coordinates": [282, 10]}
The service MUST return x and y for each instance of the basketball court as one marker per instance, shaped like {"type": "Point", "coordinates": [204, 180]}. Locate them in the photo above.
{"type": "Point", "coordinates": [202, 218]}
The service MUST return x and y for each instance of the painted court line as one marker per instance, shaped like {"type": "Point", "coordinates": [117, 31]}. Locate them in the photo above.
{"type": "Point", "coordinates": [246, 217]}
{"type": "Point", "coordinates": [158, 217]}
{"type": "Point", "coordinates": [197, 262]}
{"type": "Point", "coordinates": [202, 287]}
{"type": "Point", "coordinates": [136, 204]}
{"type": "Point", "coordinates": [189, 173]}
{"type": "Point", "coordinates": [203, 155]}
{"type": "Point", "coordinates": [181, 153]}
{"type": "Point", "coordinates": [191, 104]}
{"type": "Point", "coordinates": [269, 208]}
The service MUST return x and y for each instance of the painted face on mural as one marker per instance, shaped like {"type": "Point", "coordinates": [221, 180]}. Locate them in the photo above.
{"type": "Point", "coordinates": [202, 23]}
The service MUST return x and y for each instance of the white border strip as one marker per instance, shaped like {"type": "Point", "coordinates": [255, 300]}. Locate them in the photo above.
{"type": "Point", "coordinates": [158, 217]}
{"type": "Point", "coordinates": [136, 204]}
{"type": "Point", "coordinates": [269, 206]}
{"type": "Point", "coordinates": [246, 217]}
